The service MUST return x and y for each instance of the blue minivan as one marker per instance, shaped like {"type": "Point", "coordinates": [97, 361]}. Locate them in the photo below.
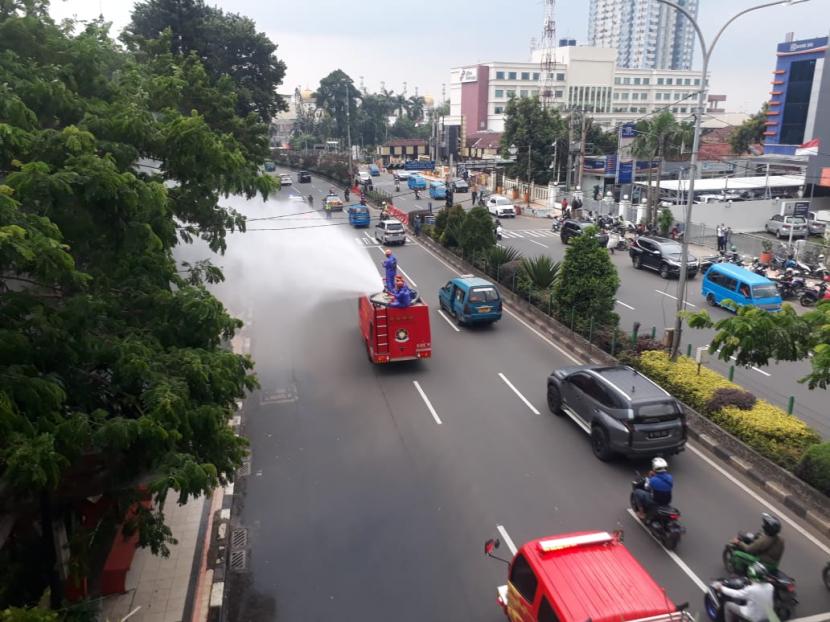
{"type": "Point", "coordinates": [416, 181]}
{"type": "Point", "coordinates": [437, 190]}
{"type": "Point", "coordinates": [726, 281]}
{"type": "Point", "coordinates": [374, 171]}
{"type": "Point", "coordinates": [471, 300]}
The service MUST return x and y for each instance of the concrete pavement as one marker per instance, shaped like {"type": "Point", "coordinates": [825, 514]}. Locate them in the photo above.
{"type": "Point", "coordinates": [361, 506]}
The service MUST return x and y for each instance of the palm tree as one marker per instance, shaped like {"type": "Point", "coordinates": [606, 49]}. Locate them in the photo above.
{"type": "Point", "coordinates": [401, 104]}
{"type": "Point", "coordinates": [542, 272]}
{"type": "Point", "coordinates": [656, 138]}
{"type": "Point", "coordinates": [416, 108]}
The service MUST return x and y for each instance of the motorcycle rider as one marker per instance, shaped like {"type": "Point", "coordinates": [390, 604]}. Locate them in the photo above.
{"type": "Point", "coordinates": [310, 200]}
{"type": "Point", "coordinates": [768, 547]}
{"type": "Point", "coordinates": [757, 596]}
{"type": "Point", "coordinates": [657, 490]}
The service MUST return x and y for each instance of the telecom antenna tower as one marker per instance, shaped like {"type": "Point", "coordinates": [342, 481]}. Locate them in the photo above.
{"type": "Point", "coordinates": [547, 46]}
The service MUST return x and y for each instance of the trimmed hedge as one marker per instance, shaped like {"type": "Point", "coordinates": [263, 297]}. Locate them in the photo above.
{"type": "Point", "coordinates": [768, 429]}
{"type": "Point", "coordinates": [814, 467]}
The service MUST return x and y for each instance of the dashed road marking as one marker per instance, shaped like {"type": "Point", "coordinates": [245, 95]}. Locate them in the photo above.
{"type": "Point", "coordinates": [662, 293]}
{"type": "Point", "coordinates": [517, 392]}
{"type": "Point", "coordinates": [449, 321]}
{"type": "Point", "coordinates": [538, 243]}
{"type": "Point", "coordinates": [622, 304]}
{"type": "Point", "coordinates": [508, 541]}
{"type": "Point", "coordinates": [427, 402]}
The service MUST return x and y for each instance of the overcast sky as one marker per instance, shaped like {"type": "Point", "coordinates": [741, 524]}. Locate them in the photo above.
{"type": "Point", "coordinates": [417, 43]}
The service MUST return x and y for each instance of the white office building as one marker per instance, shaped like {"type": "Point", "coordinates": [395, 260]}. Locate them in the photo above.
{"type": "Point", "coordinates": [584, 78]}
{"type": "Point", "coordinates": [646, 34]}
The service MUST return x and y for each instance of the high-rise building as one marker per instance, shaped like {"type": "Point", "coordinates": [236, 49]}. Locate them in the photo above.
{"type": "Point", "coordinates": [647, 34]}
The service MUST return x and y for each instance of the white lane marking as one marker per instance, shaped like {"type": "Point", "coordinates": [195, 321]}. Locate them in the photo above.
{"type": "Point", "coordinates": [769, 506]}
{"type": "Point", "coordinates": [562, 351]}
{"type": "Point", "coordinates": [517, 392]}
{"type": "Point", "coordinates": [819, 617]}
{"type": "Point", "coordinates": [409, 278]}
{"type": "Point", "coordinates": [674, 556]}
{"type": "Point", "coordinates": [622, 304]}
{"type": "Point", "coordinates": [538, 243]}
{"type": "Point", "coordinates": [688, 304]}
{"type": "Point", "coordinates": [533, 234]}
{"type": "Point", "coordinates": [509, 234]}
{"type": "Point", "coordinates": [449, 321]}
{"type": "Point", "coordinates": [760, 371]}
{"type": "Point", "coordinates": [507, 539]}
{"type": "Point", "coordinates": [427, 402]}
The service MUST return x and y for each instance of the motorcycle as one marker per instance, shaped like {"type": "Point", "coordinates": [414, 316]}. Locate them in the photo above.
{"type": "Point", "coordinates": [758, 268]}
{"type": "Point", "coordinates": [811, 296]}
{"type": "Point", "coordinates": [557, 224]}
{"type": "Point", "coordinates": [737, 562]}
{"type": "Point", "coordinates": [714, 600]}
{"type": "Point", "coordinates": [790, 288]}
{"type": "Point", "coordinates": [663, 523]}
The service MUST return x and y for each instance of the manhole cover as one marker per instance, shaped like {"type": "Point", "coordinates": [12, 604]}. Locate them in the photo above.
{"type": "Point", "coordinates": [245, 469]}
{"type": "Point", "coordinates": [239, 560]}
{"type": "Point", "coordinates": [239, 538]}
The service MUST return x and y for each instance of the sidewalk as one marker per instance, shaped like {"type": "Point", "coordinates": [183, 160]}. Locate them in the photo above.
{"type": "Point", "coordinates": [157, 587]}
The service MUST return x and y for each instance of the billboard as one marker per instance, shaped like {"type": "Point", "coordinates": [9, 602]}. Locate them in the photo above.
{"type": "Point", "coordinates": [415, 165]}
{"type": "Point", "coordinates": [625, 174]}
{"type": "Point", "coordinates": [468, 74]}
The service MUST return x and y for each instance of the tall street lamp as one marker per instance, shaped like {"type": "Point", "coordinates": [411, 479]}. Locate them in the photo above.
{"type": "Point", "coordinates": [701, 102]}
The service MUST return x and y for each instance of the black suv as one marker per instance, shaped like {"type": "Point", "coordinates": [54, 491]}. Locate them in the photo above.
{"type": "Point", "coordinates": [662, 255]}
{"type": "Point", "coordinates": [623, 411]}
{"type": "Point", "coordinates": [304, 177]}
{"type": "Point", "coordinates": [571, 227]}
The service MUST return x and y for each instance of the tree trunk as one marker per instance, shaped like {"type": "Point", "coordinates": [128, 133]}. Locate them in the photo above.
{"type": "Point", "coordinates": [649, 195]}
{"type": "Point", "coordinates": [54, 580]}
{"type": "Point", "coordinates": [657, 188]}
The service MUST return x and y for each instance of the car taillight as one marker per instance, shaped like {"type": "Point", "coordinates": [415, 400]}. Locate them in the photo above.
{"type": "Point", "coordinates": [791, 587]}
{"type": "Point", "coordinates": [674, 516]}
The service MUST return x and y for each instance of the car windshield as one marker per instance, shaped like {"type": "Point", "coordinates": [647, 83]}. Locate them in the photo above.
{"type": "Point", "coordinates": [484, 294]}
{"type": "Point", "coordinates": [394, 227]}
{"type": "Point", "coordinates": [764, 291]}
{"type": "Point", "coordinates": [503, 201]}
{"type": "Point", "coordinates": [796, 220]}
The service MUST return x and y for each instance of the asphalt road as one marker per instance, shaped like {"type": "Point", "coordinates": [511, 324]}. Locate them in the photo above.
{"type": "Point", "coordinates": [361, 506]}
{"type": "Point", "coordinates": [646, 298]}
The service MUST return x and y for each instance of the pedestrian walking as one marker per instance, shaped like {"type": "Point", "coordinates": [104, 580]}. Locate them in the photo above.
{"type": "Point", "coordinates": [564, 205]}
{"type": "Point", "coordinates": [418, 225]}
{"type": "Point", "coordinates": [474, 193]}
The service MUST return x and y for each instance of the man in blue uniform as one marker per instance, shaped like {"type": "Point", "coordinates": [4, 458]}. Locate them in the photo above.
{"type": "Point", "coordinates": [390, 265]}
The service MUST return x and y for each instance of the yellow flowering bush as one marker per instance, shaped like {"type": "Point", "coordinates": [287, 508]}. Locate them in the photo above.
{"type": "Point", "coordinates": [769, 430]}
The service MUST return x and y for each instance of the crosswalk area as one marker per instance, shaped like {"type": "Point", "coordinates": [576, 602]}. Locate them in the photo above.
{"type": "Point", "coordinates": [529, 233]}
{"type": "Point", "coordinates": [366, 241]}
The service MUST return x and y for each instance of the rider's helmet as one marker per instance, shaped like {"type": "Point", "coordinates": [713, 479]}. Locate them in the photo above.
{"type": "Point", "coordinates": [788, 271]}
{"type": "Point", "coordinates": [659, 465]}
{"type": "Point", "coordinates": [770, 524]}
{"type": "Point", "coordinates": [733, 248]}
{"type": "Point", "coordinates": [387, 252]}
{"type": "Point", "coordinates": [756, 572]}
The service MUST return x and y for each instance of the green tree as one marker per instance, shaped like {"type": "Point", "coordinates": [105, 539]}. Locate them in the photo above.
{"type": "Point", "coordinates": [415, 108]}
{"type": "Point", "coordinates": [477, 234]}
{"type": "Point", "coordinates": [755, 337]}
{"type": "Point", "coordinates": [112, 365]}
{"type": "Point", "coordinates": [654, 141]}
{"type": "Point", "coordinates": [587, 283]}
{"type": "Point", "coordinates": [372, 119]}
{"type": "Point", "coordinates": [528, 125]}
{"type": "Point", "coordinates": [337, 96]}
{"type": "Point", "coordinates": [451, 233]}
{"type": "Point", "coordinates": [599, 141]}
{"type": "Point", "coordinates": [404, 127]}
{"type": "Point", "coordinates": [750, 132]}
{"type": "Point", "coordinates": [225, 43]}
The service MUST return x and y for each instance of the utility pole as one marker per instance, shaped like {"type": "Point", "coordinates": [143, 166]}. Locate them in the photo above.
{"type": "Point", "coordinates": [349, 135]}
{"type": "Point", "coordinates": [529, 148]}
{"type": "Point", "coordinates": [582, 150]}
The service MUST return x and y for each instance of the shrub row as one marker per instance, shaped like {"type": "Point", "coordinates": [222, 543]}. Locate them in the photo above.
{"type": "Point", "coordinates": [766, 428]}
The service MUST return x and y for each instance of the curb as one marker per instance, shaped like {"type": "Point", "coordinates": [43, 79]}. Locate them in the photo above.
{"type": "Point", "coordinates": [782, 486]}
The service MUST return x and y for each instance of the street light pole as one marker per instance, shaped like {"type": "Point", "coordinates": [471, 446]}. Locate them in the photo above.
{"type": "Point", "coordinates": [349, 135]}
{"type": "Point", "coordinates": [701, 103]}
{"type": "Point", "coordinates": [528, 177]}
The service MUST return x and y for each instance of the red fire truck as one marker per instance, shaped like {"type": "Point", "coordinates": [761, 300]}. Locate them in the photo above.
{"type": "Point", "coordinates": [394, 333]}
{"type": "Point", "coordinates": [582, 576]}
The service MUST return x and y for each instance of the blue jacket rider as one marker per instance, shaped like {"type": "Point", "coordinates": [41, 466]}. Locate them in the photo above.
{"type": "Point", "coordinates": [658, 488]}
{"type": "Point", "coordinates": [390, 265]}
{"type": "Point", "coordinates": [403, 297]}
